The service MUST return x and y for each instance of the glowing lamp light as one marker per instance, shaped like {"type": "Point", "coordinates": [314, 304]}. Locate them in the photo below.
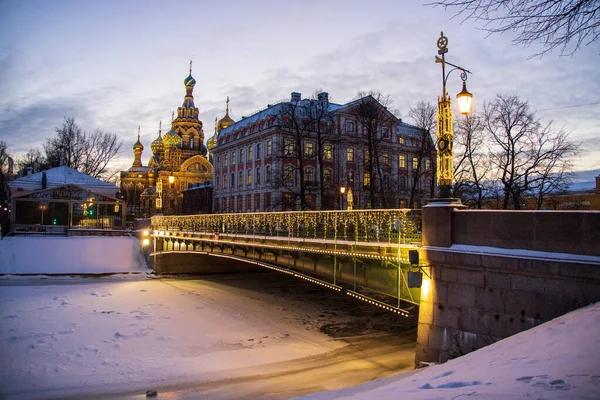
{"type": "Point", "coordinates": [342, 189]}
{"type": "Point", "coordinates": [146, 233]}
{"type": "Point", "coordinates": [464, 100]}
{"type": "Point", "coordinates": [425, 288]}
{"type": "Point", "coordinates": [171, 178]}
{"type": "Point", "coordinates": [145, 242]}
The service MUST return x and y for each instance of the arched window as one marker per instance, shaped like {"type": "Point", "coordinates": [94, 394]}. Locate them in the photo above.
{"type": "Point", "coordinates": [192, 142]}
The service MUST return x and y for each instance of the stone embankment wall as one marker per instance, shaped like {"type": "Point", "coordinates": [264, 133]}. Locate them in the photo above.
{"type": "Point", "coordinates": [496, 273]}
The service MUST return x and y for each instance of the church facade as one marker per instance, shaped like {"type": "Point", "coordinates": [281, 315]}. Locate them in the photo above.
{"type": "Point", "coordinates": [179, 160]}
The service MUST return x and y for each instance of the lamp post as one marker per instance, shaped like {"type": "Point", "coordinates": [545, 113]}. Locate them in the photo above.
{"type": "Point", "coordinates": [445, 131]}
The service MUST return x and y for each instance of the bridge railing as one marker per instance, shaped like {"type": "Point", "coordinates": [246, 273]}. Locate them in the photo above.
{"type": "Point", "coordinates": [392, 226]}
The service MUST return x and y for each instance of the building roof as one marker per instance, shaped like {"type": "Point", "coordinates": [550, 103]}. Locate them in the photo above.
{"type": "Point", "coordinates": [60, 176]}
{"type": "Point", "coordinates": [276, 109]}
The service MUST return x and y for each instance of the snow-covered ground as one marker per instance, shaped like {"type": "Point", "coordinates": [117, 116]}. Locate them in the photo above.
{"type": "Point", "coordinates": [556, 360]}
{"type": "Point", "coordinates": [127, 333]}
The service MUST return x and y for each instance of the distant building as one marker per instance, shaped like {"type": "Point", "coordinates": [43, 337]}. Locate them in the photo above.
{"type": "Point", "coordinates": [197, 199]}
{"type": "Point", "coordinates": [178, 160]}
{"type": "Point", "coordinates": [257, 164]}
{"type": "Point", "coordinates": [581, 198]}
{"type": "Point", "coordinates": [60, 198]}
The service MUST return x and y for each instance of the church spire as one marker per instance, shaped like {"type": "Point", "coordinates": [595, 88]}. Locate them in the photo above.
{"type": "Point", "coordinates": [137, 151]}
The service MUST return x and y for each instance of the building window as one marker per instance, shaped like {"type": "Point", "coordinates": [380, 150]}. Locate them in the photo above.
{"type": "Point", "coordinates": [224, 181]}
{"type": "Point", "coordinates": [258, 176]}
{"type": "Point", "coordinates": [249, 153]}
{"type": "Point", "coordinates": [249, 178]}
{"type": "Point", "coordinates": [269, 147]}
{"type": "Point", "coordinates": [415, 162]}
{"type": "Point", "coordinates": [249, 203]}
{"type": "Point", "coordinates": [350, 155]}
{"type": "Point", "coordinates": [309, 150]}
{"type": "Point", "coordinates": [257, 202]}
{"type": "Point", "coordinates": [402, 161]}
{"type": "Point", "coordinates": [232, 184]}
{"type": "Point", "coordinates": [218, 161]}
{"type": "Point", "coordinates": [401, 140]}
{"type": "Point", "coordinates": [217, 183]}
{"type": "Point", "coordinates": [192, 142]}
{"type": "Point", "coordinates": [386, 159]}
{"type": "Point", "coordinates": [427, 164]}
{"type": "Point", "coordinates": [288, 147]}
{"type": "Point", "coordinates": [225, 160]}
{"type": "Point", "coordinates": [309, 175]}
{"type": "Point", "coordinates": [267, 200]}
{"type": "Point", "coordinates": [233, 158]}
{"type": "Point", "coordinates": [350, 126]}
{"type": "Point", "coordinates": [327, 175]}
{"type": "Point", "coordinates": [385, 131]}
{"type": "Point", "coordinates": [366, 179]}
{"type": "Point", "coordinates": [240, 204]}
{"type": "Point", "coordinates": [402, 183]}
{"type": "Point", "coordinates": [258, 151]}
{"type": "Point", "coordinates": [182, 186]}
{"type": "Point", "coordinates": [288, 174]}
{"type": "Point", "coordinates": [386, 181]}
{"type": "Point", "coordinates": [268, 173]}
{"type": "Point", "coordinates": [241, 156]}
{"type": "Point", "coordinates": [241, 178]}
{"type": "Point", "coordinates": [350, 178]}
{"type": "Point", "coordinates": [367, 156]}
{"type": "Point", "coordinates": [328, 152]}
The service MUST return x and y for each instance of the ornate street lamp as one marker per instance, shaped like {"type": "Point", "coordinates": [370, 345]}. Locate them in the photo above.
{"type": "Point", "coordinates": [445, 131]}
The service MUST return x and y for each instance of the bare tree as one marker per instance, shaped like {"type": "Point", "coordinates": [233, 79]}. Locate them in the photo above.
{"type": "Point", "coordinates": [32, 159]}
{"type": "Point", "coordinates": [566, 25]}
{"type": "Point", "coordinates": [377, 122]}
{"type": "Point", "coordinates": [471, 163]}
{"type": "Point", "coordinates": [523, 150]}
{"type": "Point", "coordinates": [324, 132]}
{"type": "Point", "coordinates": [102, 148]}
{"type": "Point", "coordinates": [88, 153]}
{"type": "Point", "coordinates": [67, 147]}
{"type": "Point", "coordinates": [423, 115]}
{"type": "Point", "coordinates": [296, 126]}
{"type": "Point", "coordinates": [6, 170]}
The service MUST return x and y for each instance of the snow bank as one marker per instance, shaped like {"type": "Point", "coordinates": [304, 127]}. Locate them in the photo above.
{"type": "Point", "coordinates": [78, 255]}
{"type": "Point", "coordinates": [556, 360]}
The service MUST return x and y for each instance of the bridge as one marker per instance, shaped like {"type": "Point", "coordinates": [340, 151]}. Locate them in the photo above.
{"type": "Point", "coordinates": [364, 254]}
{"type": "Point", "coordinates": [486, 274]}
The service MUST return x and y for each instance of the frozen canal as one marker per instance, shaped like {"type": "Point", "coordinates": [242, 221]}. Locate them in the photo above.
{"type": "Point", "coordinates": [256, 335]}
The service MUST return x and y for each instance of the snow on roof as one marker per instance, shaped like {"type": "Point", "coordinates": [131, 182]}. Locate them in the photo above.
{"type": "Point", "coordinates": [275, 110]}
{"type": "Point", "coordinates": [60, 176]}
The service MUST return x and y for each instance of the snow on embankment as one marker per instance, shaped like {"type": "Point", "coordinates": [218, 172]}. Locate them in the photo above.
{"type": "Point", "coordinates": [556, 360]}
{"type": "Point", "coordinates": [77, 255]}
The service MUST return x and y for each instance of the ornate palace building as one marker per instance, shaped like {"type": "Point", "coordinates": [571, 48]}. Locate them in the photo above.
{"type": "Point", "coordinates": [178, 160]}
{"type": "Point", "coordinates": [315, 155]}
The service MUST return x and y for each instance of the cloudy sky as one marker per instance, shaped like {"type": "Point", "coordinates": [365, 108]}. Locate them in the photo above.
{"type": "Point", "coordinates": [119, 64]}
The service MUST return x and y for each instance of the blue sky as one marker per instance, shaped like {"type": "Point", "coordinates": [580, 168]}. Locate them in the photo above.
{"type": "Point", "coordinates": [119, 64]}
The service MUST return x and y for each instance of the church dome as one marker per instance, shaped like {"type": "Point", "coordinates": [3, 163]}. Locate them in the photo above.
{"type": "Point", "coordinates": [138, 145]}
{"type": "Point", "coordinates": [189, 81]}
{"type": "Point", "coordinates": [157, 145]}
{"type": "Point", "coordinates": [226, 121]}
{"type": "Point", "coordinates": [171, 139]}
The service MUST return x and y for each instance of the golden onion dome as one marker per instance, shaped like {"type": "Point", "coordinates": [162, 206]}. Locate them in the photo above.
{"type": "Point", "coordinates": [171, 139]}
{"type": "Point", "coordinates": [157, 145]}
{"type": "Point", "coordinates": [138, 145]}
{"type": "Point", "coordinates": [212, 143]}
{"type": "Point", "coordinates": [226, 121]}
